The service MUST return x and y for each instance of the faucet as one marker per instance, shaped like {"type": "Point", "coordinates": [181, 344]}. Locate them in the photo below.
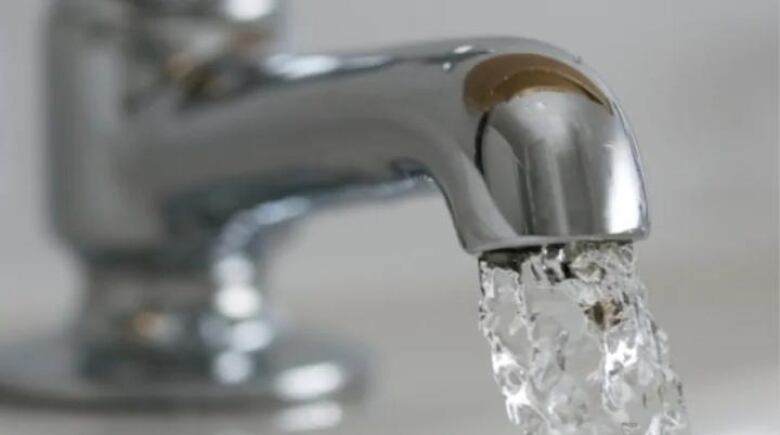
{"type": "Point", "coordinates": [185, 142]}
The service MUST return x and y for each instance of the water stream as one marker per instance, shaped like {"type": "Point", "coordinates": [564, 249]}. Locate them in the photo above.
{"type": "Point", "coordinates": [574, 348]}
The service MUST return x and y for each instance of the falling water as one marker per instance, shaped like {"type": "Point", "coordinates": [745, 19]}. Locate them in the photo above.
{"type": "Point", "coordinates": [574, 348]}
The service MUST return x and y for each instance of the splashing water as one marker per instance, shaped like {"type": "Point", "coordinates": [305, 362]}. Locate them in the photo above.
{"type": "Point", "coordinates": [574, 348]}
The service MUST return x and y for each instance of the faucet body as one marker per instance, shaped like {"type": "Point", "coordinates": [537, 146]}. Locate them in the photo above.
{"type": "Point", "coordinates": [182, 141]}
{"type": "Point", "coordinates": [143, 130]}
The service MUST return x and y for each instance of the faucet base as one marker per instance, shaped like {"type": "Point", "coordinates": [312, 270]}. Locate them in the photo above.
{"type": "Point", "coordinates": [297, 369]}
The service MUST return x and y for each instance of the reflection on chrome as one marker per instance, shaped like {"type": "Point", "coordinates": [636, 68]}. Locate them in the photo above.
{"type": "Point", "coordinates": [232, 367]}
{"type": "Point", "coordinates": [250, 336]}
{"type": "Point", "coordinates": [463, 49]}
{"type": "Point", "coordinates": [299, 67]}
{"type": "Point", "coordinates": [309, 382]}
{"type": "Point", "coordinates": [247, 10]}
{"type": "Point", "coordinates": [318, 415]}
{"type": "Point", "coordinates": [234, 269]}
{"type": "Point", "coordinates": [238, 301]}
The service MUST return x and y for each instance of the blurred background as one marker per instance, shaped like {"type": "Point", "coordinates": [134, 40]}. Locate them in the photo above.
{"type": "Point", "coordinates": [699, 80]}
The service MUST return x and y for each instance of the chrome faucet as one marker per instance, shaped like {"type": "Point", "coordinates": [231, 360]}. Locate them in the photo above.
{"type": "Point", "coordinates": [185, 142]}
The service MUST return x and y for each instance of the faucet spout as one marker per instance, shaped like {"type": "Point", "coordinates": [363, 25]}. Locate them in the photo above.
{"type": "Point", "coordinates": [527, 146]}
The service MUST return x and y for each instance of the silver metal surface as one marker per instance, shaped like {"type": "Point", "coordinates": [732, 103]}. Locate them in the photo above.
{"type": "Point", "coordinates": [183, 143]}
{"type": "Point", "coordinates": [298, 369]}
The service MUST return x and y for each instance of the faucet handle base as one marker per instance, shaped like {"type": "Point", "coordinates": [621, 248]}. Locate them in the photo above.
{"type": "Point", "coordinates": [297, 369]}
